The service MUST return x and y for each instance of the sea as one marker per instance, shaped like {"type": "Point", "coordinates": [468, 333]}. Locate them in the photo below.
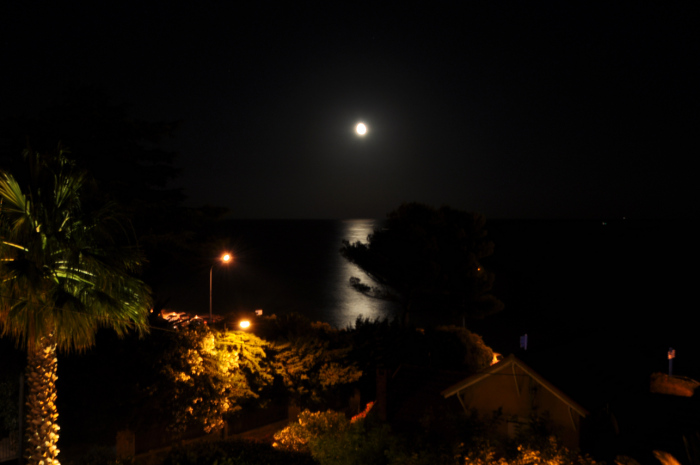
{"type": "Point", "coordinates": [282, 266]}
{"type": "Point", "coordinates": [626, 286]}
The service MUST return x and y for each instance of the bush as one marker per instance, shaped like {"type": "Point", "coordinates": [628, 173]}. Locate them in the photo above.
{"type": "Point", "coordinates": [332, 439]}
{"type": "Point", "coordinates": [311, 426]}
{"type": "Point", "coordinates": [535, 443]}
{"type": "Point", "coordinates": [555, 454]}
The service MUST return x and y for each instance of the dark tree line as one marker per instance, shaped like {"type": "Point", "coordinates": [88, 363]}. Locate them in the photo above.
{"type": "Point", "coordinates": [430, 260]}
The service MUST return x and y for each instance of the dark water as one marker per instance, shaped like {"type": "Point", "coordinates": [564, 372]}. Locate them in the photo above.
{"type": "Point", "coordinates": [283, 266]}
{"type": "Point", "coordinates": [561, 281]}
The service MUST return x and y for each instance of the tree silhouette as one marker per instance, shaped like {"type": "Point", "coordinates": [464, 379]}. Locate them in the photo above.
{"type": "Point", "coordinates": [129, 166]}
{"type": "Point", "coordinates": [429, 260]}
{"type": "Point", "coordinates": [122, 153]}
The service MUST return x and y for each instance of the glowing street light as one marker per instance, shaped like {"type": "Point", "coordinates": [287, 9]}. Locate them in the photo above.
{"type": "Point", "coordinates": [244, 324]}
{"type": "Point", "coordinates": [225, 258]}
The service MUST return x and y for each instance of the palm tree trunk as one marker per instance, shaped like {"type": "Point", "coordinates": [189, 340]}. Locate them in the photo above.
{"type": "Point", "coordinates": [42, 429]}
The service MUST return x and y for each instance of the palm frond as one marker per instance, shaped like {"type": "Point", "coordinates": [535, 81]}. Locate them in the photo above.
{"type": "Point", "coordinates": [64, 270]}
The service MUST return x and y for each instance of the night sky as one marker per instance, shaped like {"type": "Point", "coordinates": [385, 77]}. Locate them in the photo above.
{"type": "Point", "coordinates": [514, 109]}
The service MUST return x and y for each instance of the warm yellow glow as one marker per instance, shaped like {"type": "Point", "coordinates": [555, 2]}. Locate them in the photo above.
{"type": "Point", "coordinates": [226, 258]}
{"type": "Point", "coordinates": [361, 129]}
{"type": "Point", "coordinates": [245, 324]}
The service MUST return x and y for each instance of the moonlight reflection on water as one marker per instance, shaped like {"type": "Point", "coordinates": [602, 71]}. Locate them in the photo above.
{"type": "Point", "coordinates": [355, 304]}
{"type": "Point", "coordinates": [282, 266]}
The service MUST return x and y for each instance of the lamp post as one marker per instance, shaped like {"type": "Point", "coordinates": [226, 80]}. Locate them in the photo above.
{"type": "Point", "coordinates": [225, 258]}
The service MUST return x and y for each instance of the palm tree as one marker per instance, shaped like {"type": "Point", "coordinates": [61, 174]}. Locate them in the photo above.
{"type": "Point", "coordinates": [64, 273]}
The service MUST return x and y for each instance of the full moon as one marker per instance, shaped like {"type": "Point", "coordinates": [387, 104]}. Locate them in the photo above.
{"type": "Point", "coordinates": [361, 129]}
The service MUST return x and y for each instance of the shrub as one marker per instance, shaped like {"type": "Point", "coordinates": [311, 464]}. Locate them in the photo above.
{"type": "Point", "coordinates": [332, 439]}
{"type": "Point", "coordinates": [311, 426]}
{"type": "Point", "coordinates": [554, 455]}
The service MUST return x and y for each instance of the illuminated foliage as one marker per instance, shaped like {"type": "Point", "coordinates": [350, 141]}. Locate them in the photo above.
{"type": "Point", "coordinates": [309, 427]}
{"type": "Point", "coordinates": [554, 454]}
{"type": "Point", "coordinates": [207, 374]}
{"type": "Point", "coordinates": [65, 266]}
{"type": "Point", "coordinates": [312, 360]}
{"type": "Point", "coordinates": [332, 439]}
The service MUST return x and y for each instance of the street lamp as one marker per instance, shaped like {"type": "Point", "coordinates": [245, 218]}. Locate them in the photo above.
{"type": "Point", "coordinates": [225, 258]}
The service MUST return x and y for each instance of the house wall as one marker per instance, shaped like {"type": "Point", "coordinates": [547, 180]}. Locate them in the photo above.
{"type": "Point", "coordinates": [519, 400]}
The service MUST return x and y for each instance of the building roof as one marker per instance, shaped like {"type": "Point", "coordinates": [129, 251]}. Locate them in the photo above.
{"type": "Point", "coordinates": [499, 369]}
